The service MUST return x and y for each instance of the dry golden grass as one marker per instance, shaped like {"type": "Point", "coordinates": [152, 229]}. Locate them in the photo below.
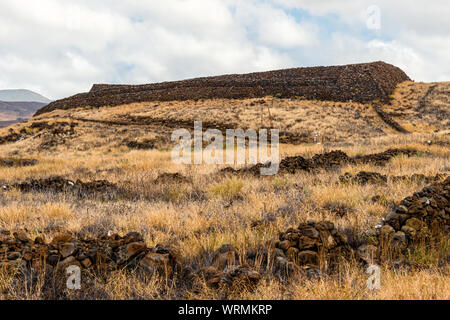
{"type": "Point", "coordinates": [419, 110]}
{"type": "Point", "coordinates": [214, 209]}
{"type": "Point", "coordinates": [339, 123]}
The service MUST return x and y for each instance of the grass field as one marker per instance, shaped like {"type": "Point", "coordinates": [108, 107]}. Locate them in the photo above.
{"type": "Point", "coordinates": [209, 209]}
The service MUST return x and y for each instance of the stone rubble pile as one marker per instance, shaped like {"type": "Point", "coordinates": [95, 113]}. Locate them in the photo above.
{"type": "Point", "coordinates": [364, 177]}
{"type": "Point", "coordinates": [328, 160]}
{"type": "Point", "coordinates": [315, 245]}
{"type": "Point", "coordinates": [103, 254]}
{"type": "Point", "coordinates": [107, 253]}
{"type": "Point", "coordinates": [15, 162]}
{"type": "Point", "coordinates": [59, 184]}
{"type": "Point", "coordinates": [171, 177]}
{"type": "Point", "coordinates": [358, 82]}
{"type": "Point", "coordinates": [381, 158]}
{"type": "Point", "coordinates": [319, 246]}
{"type": "Point", "coordinates": [226, 271]}
{"type": "Point", "coordinates": [421, 216]}
{"type": "Point", "coordinates": [55, 128]}
{"type": "Point", "coordinates": [12, 136]}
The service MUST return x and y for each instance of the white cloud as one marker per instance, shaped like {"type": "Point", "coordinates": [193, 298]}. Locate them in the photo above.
{"type": "Point", "coordinates": [273, 26]}
{"type": "Point", "coordinates": [61, 47]}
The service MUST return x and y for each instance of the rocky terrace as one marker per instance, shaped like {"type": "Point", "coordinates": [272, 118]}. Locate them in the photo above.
{"type": "Point", "coordinates": [357, 82]}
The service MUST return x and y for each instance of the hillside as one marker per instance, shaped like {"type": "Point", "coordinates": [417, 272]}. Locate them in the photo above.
{"type": "Point", "coordinates": [22, 95]}
{"type": "Point", "coordinates": [11, 112]}
{"type": "Point", "coordinates": [149, 124]}
{"type": "Point", "coordinates": [19, 105]}
{"type": "Point", "coordinates": [95, 186]}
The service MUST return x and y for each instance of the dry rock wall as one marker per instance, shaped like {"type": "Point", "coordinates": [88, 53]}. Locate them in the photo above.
{"type": "Point", "coordinates": [358, 82]}
{"type": "Point", "coordinates": [418, 218]}
{"type": "Point", "coordinates": [328, 160]}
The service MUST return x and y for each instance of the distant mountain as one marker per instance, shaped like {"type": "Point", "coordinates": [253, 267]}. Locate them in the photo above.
{"type": "Point", "coordinates": [22, 95]}
{"type": "Point", "coordinates": [19, 105]}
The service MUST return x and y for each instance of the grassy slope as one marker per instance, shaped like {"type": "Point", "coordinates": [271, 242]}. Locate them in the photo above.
{"type": "Point", "coordinates": [173, 212]}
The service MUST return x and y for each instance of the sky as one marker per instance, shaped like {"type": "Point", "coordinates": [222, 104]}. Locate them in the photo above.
{"type": "Point", "coordinates": [60, 47]}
